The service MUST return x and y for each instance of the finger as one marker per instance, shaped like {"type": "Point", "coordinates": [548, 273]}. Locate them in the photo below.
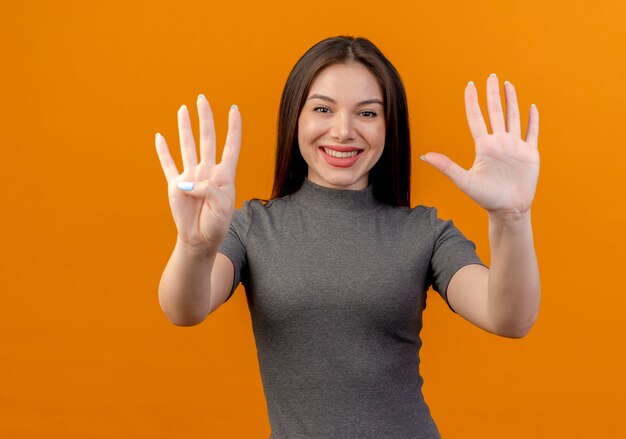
{"type": "Point", "coordinates": [475, 118]}
{"type": "Point", "coordinates": [187, 144]}
{"type": "Point", "coordinates": [454, 172]}
{"type": "Point", "coordinates": [533, 126]}
{"type": "Point", "coordinates": [233, 140]}
{"type": "Point", "coordinates": [512, 110]}
{"type": "Point", "coordinates": [494, 105]}
{"type": "Point", "coordinates": [167, 162]}
{"type": "Point", "coordinates": [207, 131]}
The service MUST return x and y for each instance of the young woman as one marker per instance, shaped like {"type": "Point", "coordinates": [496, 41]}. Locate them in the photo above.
{"type": "Point", "coordinates": [336, 265]}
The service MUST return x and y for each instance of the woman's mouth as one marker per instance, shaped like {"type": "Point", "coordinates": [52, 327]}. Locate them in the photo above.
{"type": "Point", "coordinates": [340, 156]}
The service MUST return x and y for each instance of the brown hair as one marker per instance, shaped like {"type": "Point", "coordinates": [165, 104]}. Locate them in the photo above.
{"type": "Point", "coordinates": [391, 175]}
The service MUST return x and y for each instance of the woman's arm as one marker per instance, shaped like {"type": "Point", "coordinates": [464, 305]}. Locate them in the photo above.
{"type": "Point", "coordinates": [197, 278]}
{"type": "Point", "coordinates": [504, 299]}
{"type": "Point", "coordinates": [195, 282]}
{"type": "Point", "coordinates": [503, 179]}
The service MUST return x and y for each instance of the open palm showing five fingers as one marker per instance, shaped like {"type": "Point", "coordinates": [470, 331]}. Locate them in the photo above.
{"type": "Point", "coordinates": [503, 178]}
{"type": "Point", "coordinates": [203, 213]}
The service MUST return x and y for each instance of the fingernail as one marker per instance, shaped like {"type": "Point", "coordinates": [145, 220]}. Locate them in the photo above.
{"type": "Point", "coordinates": [470, 83]}
{"type": "Point", "coordinates": [183, 107]}
{"type": "Point", "coordinates": [423, 157]}
{"type": "Point", "coordinates": [533, 106]}
{"type": "Point", "coordinates": [506, 82]}
{"type": "Point", "coordinates": [493, 74]}
{"type": "Point", "coordinates": [185, 185]}
{"type": "Point", "coordinates": [157, 135]}
{"type": "Point", "coordinates": [234, 107]}
{"type": "Point", "coordinates": [201, 96]}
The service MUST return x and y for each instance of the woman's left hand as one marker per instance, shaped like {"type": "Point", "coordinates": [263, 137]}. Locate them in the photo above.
{"type": "Point", "coordinates": [504, 175]}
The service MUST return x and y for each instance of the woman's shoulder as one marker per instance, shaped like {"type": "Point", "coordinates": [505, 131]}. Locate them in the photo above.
{"type": "Point", "coordinates": [263, 205]}
{"type": "Point", "coordinates": [426, 212]}
{"type": "Point", "coordinates": [420, 211]}
{"type": "Point", "coordinates": [425, 218]}
{"type": "Point", "coordinates": [429, 214]}
{"type": "Point", "coordinates": [257, 208]}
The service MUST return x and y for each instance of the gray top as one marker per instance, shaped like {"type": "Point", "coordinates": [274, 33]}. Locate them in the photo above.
{"type": "Point", "coordinates": [336, 284]}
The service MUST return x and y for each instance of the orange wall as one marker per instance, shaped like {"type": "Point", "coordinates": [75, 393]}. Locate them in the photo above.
{"type": "Point", "coordinates": [86, 229]}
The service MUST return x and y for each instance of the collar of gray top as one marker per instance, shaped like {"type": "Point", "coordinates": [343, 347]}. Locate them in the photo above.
{"type": "Point", "coordinates": [316, 196]}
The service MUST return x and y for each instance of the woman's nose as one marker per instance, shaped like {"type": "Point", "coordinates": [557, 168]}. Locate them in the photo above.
{"type": "Point", "coordinates": [343, 128]}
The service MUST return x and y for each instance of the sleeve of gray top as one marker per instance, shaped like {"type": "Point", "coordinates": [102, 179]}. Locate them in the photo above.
{"type": "Point", "coordinates": [234, 244]}
{"type": "Point", "coordinates": [451, 252]}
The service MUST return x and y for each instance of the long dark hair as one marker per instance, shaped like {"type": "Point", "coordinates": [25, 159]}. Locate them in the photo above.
{"type": "Point", "coordinates": [391, 175]}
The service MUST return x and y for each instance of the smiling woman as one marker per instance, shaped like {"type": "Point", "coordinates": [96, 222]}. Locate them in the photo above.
{"type": "Point", "coordinates": [341, 135]}
{"type": "Point", "coordinates": [361, 77]}
{"type": "Point", "coordinates": [336, 266]}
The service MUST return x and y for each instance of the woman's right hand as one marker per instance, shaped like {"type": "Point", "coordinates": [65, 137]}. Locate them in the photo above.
{"type": "Point", "coordinates": [202, 214]}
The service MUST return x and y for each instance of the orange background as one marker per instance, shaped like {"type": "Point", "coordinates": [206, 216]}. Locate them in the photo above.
{"type": "Point", "coordinates": [86, 229]}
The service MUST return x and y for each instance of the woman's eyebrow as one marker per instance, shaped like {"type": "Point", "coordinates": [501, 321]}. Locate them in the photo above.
{"type": "Point", "coordinates": [329, 99]}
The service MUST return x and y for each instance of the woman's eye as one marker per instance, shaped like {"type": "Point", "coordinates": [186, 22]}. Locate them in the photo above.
{"type": "Point", "coordinates": [368, 113]}
{"type": "Point", "coordinates": [321, 109]}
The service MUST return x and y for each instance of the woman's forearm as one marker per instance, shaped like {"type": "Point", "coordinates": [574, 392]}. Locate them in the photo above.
{"type": "Point", "coordinates": [514, 287]}
{"type": "Point", "coordinates": [185, 287]}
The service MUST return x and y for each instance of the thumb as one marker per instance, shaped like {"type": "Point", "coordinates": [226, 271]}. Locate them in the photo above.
{"type": "Point", "coordinates": [197, 189]}
{"type": "Point", "coordinates": [454, 172]}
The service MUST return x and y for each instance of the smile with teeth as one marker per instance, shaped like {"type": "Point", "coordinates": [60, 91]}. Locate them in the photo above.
{"type": "Point", "coordinates": [341, 155]}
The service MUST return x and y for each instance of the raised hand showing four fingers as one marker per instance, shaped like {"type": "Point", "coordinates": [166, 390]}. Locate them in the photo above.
{"type": "Point", "coordinates": [202, 197]}
{"type": "Point", "coordinates": [503, 178]}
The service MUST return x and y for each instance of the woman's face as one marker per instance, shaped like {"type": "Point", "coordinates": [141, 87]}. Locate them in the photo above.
{"type": "Point", "coordinates": [341, 129]}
